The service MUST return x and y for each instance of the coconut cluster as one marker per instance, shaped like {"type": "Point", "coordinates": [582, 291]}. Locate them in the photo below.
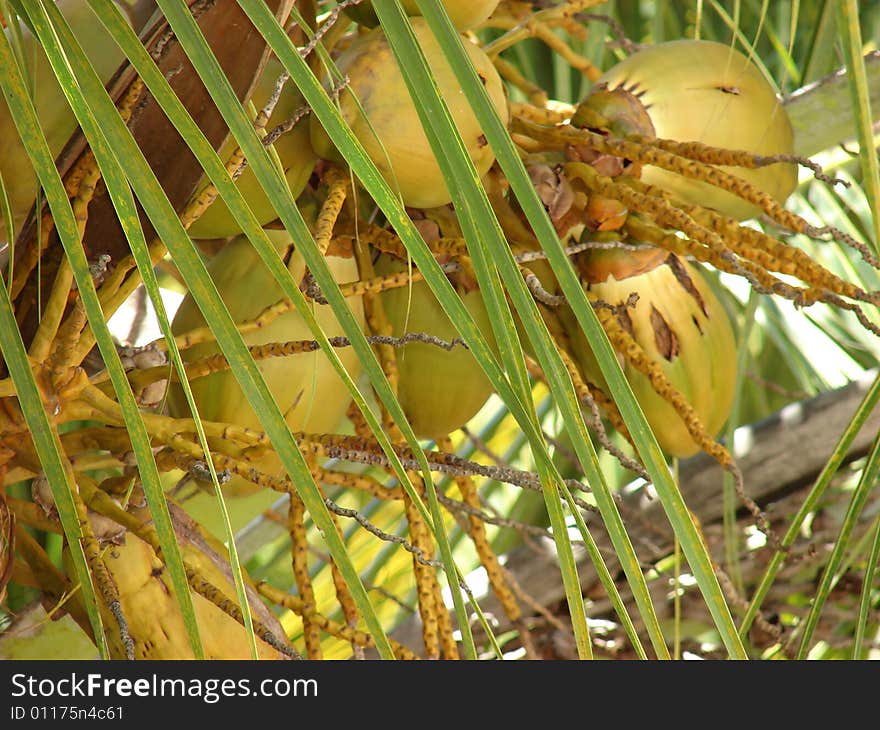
{"type": "Point", "coordinates": [661, 301]}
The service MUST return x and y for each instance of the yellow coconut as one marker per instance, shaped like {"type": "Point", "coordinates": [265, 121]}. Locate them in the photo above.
{"type": "Point", "coordinates": [308, 390]}
{"type": "Point", "coordinates": [386, 121]}
{"type": "Point", "coordinates": [464, 14]}
{"type": "Point", "coordinates": [294, 150]}
{"type": "Point", "coordinates": [150, 607]}
{"type": "Point", "coordinates": [57, 119]}
{"type": "Point", "coordinates": [683, 327]}
{"type": "Point", "coordinates": [709, 92]}
{"type": "Point", "coordinates": [439, 390]}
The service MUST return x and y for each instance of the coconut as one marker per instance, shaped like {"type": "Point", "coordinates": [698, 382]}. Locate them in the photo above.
{"type": "Point", "coordinates": [683, 327]}
{"type": "Point", "coordinates": [439, 390]}
{"type": "Point", "coordinates": [708, 92]}
{"type": "Point", "coordinates": [306, 387]}
{"type": "Point", "coordinates": [377, 106]}
{"type": "Point", "coordinates": [294, 149]}
{"type": "Point", "coordinates": [464, 14]}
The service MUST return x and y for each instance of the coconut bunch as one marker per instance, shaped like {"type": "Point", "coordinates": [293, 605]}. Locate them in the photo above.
{"type": "Point", "coordinates": [648, 181]}
{"type": "Point", "coordinates": [377, 107]}
{"type": "Point", "coordinates": [662, 170]}
{"type": "Point", "coordinates": [644, 159]}
{"type": "Point", "coordinates": [655, 172]}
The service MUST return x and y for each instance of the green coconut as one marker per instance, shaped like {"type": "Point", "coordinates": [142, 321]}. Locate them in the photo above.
{"type": "Point", "coordinates": [464, 14]}
{"type": "Point", "coordinates": [57, 119]}
{"type": "Point", "coordinates": [439, 390]}
{"type": "Point", "coordinates": [294, 149]}
{"type": "Point", "coordinates": [708, 92]}
{"type": "Point", "coordinates": [387, 123]}
{"type": "Point", "coordinates": [683, 327]}
{"type": "Point", "coordinates": [307, 388]}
